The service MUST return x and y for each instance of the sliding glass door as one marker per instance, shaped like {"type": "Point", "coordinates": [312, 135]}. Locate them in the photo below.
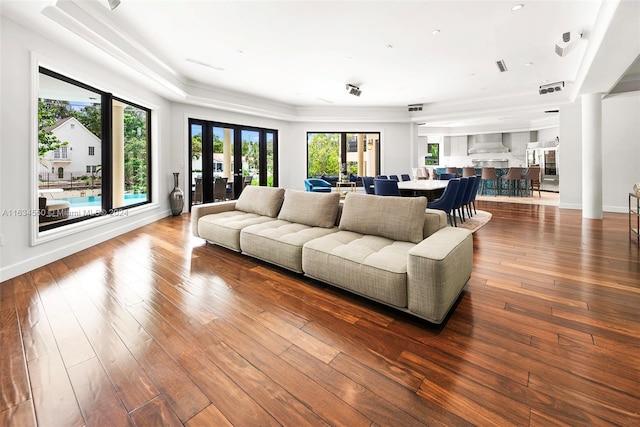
{"type": "Point", "coordinates": [232, 156]}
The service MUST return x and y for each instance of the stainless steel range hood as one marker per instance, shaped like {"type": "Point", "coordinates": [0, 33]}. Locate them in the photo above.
{"type": "Point", "coordinates": [487, 143]}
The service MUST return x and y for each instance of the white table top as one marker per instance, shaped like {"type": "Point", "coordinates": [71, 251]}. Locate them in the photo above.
{"type": "Point", "coordinates": [50, 190]}
{"type": "Point", "coordinates": [423, 184]}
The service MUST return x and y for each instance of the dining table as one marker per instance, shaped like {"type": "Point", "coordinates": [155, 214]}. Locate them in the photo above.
{"type": "Point", "coordinates": [431, 188]}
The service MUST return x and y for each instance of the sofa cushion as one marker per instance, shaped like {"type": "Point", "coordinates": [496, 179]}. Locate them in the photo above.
{"type": "Point", "coordinates": [313, 209]}
{"type": "Point", "coordinates": [224, 228]}
{"type": "Point", "coordinates": [280, 242]}
{"type": "Point", "coordinates": [396, 218]}
{"type": "Point", "coordinates": [261, 200]}
{"type": "Point", "coordinates": [373, 266]}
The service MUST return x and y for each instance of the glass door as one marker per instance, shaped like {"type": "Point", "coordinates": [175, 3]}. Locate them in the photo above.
{"type": "Point", "coordinates": [250, 158]}
{"type": "Point", "coordinates": [232, 156]}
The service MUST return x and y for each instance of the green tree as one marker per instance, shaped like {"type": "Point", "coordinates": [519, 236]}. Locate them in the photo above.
{"type": "Point", "coordinates": [323, 153]}
{"type": "Point", "coordinates": [135, 149]}
{"type": "Point", "coordinates": [47, 117]}
{"type": "Point", "coordinates": [196, 146]}
{"type": "Point", "coordinates": [90, 116]}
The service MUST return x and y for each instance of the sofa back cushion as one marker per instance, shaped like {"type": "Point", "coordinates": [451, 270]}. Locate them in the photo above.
{"type": "Point", "coordinates": [308, 208]}
{"type": "Point", "coordinates": [396, 218]}
{"type": "Point", "coordinates": [261, 200]}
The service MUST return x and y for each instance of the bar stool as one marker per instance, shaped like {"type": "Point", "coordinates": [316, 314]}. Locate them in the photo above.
{"type": "Point", "coordinates": [532, 179]}
{"type": "Point", "coordinates": [514, 175]}
{"type": "Point", "coordinates": [468, 171]}
{"type": "Point", "coordinates": [452, 170]}
{"type": "Point", "coordinates": [489, 174]}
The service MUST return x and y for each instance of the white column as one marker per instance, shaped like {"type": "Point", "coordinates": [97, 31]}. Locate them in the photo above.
{"type": "Point", "coordinates": [118, 154]}
{"type": "Point", "coordinates": [591, 156]}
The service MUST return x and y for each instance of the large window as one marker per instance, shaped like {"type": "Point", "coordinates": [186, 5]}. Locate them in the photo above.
{"type": "Point", "coordinates": [347, 155]}
{"type": "Point", "coordinates": [93, 152]}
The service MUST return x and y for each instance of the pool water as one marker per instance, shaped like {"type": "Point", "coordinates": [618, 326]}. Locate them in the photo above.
{"type": "Point", "coordinates": [96, 201]}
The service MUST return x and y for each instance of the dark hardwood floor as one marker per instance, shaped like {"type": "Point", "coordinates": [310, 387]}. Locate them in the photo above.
{"type": "Point", "coordinates": [157, 328]}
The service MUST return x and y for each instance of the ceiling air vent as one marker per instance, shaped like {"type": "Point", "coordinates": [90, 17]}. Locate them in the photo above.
{"type": "Point", "coordinates": [501, 65]}
{"type": "Point", "coordinates": [415, 107]}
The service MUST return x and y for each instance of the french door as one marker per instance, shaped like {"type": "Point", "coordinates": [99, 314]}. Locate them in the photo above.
{"type": "Point", "coordinates": [243, 155]}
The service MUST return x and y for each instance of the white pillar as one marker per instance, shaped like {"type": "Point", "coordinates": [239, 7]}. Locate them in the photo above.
{"type": "Point", "coordinates": [592, 156]}
{"type": "Point", "coordinates": [118, 154]}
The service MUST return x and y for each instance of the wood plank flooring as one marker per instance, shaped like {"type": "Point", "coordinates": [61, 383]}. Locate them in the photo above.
{"type": "Point", "coordinates": [156, 328]}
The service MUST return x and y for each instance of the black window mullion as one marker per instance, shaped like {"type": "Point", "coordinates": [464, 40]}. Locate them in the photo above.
{"type": "Point", "coordinates": [107, 152]}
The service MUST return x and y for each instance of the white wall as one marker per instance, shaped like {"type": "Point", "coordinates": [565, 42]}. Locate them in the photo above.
{"type": "Point", "coordinates": [620, 147]}
{"type": "Point", "coordinates": [17, 185]}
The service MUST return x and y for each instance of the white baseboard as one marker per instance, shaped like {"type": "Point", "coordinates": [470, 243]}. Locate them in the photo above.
{"type": "Point", "coordinates": [26, 265]}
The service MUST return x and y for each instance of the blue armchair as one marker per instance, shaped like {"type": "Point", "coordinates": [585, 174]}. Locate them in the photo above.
{"type": "Point", "coordinates": [317, 185]}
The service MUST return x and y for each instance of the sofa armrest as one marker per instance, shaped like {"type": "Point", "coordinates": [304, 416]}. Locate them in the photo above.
{"type": "Point", "coordinates": [434, 220]}
{"type": "Point", "coordinates": [437, 270]}
{"type": "Point", "coordinates": [198, 211]}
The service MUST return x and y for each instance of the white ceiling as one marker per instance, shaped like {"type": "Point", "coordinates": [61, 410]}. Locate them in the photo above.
{"type": "Point", "coordinates": [302, 53]}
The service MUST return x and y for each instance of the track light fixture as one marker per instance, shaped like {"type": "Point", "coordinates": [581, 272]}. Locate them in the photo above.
{"type": "Point", "coordinates": [353, 90]}
{"type": "Point", "coordinates": [113, 4]}
{"type": "Point", "coordinates": [550, 88]}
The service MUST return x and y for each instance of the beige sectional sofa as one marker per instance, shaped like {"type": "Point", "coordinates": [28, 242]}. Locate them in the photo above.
{"type": "Point", "coordinates": [389, 249]}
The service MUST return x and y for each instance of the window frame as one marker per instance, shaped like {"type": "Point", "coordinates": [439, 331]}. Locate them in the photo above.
{"type": "Point", "coordinates": [44, 232]}
{"type": "Point", "coordinates": [343, 146]}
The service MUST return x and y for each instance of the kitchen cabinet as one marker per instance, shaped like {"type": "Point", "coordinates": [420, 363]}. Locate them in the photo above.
{"type": "Point", "coordinates": [455, 145]}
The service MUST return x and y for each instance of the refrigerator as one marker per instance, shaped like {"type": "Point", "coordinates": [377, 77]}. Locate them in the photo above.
{"type": "Point", "coordinates": [545, 154]}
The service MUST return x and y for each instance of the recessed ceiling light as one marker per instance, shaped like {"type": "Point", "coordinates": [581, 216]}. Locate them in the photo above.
{"type": "Point", "coordinates": [390, 46]}
{"type": "Point", "coordinates": [434, 32]}
{"type": "Point", "coordinates": [472, 75]}
{"type": "Point", "coordinates": [528, 64]}
{"type": "Point", "coordinates": [240, 51]}
{"type": "Point", "coordinates": [517, 7]}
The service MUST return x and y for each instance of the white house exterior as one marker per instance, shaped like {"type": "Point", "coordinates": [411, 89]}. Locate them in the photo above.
{"type": "Point", "coordinates": [81, 156]}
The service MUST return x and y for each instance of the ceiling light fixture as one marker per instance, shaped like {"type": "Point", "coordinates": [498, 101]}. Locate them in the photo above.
{"type": "Point", "coordinates": [434, 32]}
{"type": "Point", "coordinates": [517, 7]}
{"type": "Point", "coordinates": [353, 90]}
{"type": "Point", "coordinates": [550, 88]}
{"type": "Point", "coordinates": [568, 42]}
{"type": "Point", "coordinates": [113, 4]}
{"type": "Point", "coordinates": [528, 64]}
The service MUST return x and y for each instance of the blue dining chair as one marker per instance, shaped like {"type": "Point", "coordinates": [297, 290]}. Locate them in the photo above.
{"type": "Point", "coordinates": [367, 184]}
{"type": "Point", "coordinates": [474, 193]}
{"type": "Point", "coordinates": [405, 177]}
{"type": "Point", "coordinates": [466, 199]}
{"type": "Point", "coordinates": [445, 202]}
{"type": "Point", "coordinates": [381, 177]}
{"type": "Point", "coordinates": [394, 177]}
{"type": "Point", "coordinates": [385, 187]}
{"type": "Point", "coordinates": [317, 185]}
{"type": "Point", "coordinates": [457, 204]}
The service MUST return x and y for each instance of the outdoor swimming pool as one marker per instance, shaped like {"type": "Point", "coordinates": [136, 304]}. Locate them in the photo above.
{"type": "Point", "coordinates": [96, 201]}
